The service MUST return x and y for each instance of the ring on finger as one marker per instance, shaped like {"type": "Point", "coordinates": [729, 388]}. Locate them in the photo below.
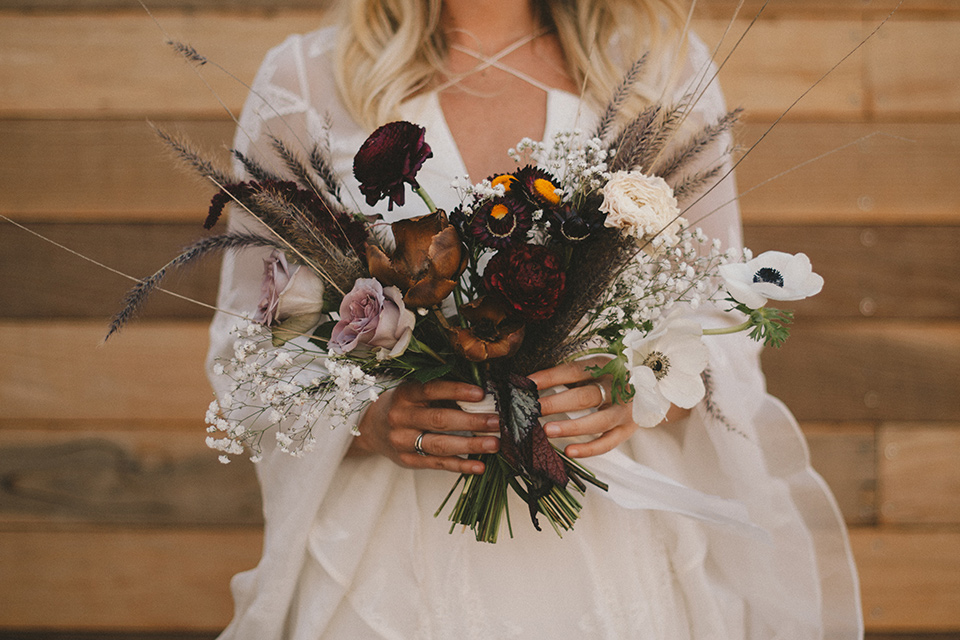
{"type": "Point", "coordinates": [418, 445]}
{"type": "Point", "coordinates": [603, 395]}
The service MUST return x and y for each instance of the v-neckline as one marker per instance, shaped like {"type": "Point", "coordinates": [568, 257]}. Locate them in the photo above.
{"type": "Point", "coordinates": [445, 145]}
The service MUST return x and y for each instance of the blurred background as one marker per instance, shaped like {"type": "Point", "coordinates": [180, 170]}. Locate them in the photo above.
{"type": "Point", "coordinates": [117, 522]}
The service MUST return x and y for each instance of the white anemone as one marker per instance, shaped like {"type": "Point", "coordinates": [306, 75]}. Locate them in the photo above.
{"type": "Point", "coordinates": [665, 368]}
{"type": "Point", "coordinates": [773, 275]}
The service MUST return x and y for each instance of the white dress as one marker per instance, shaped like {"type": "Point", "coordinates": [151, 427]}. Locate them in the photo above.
{"type": "Point", "coordinates": [352, 548]}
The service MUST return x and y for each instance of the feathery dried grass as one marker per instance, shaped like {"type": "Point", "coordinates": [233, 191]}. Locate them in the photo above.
{"type": "Point", "coordinates": [135, 298]}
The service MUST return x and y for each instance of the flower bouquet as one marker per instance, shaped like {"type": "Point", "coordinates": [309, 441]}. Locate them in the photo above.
{"type": "Point", "coordinates": [581, 250]}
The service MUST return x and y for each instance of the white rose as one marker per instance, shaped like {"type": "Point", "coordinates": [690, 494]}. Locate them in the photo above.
{"type": "Point", "coordinates": [642, 206]}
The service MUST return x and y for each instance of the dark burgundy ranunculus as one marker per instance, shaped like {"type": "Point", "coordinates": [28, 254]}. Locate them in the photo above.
{"type": "Point", "coordinates": [390, 157]}
{"type": "Point", "coordinates": [530, 277]}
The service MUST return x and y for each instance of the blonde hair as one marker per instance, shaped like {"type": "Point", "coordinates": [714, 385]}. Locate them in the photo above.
{"type": "Point", "coordinates": [389, 50]}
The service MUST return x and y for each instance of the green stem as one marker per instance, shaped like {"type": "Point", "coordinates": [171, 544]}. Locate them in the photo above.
{"type": "Point", "coordinates": [425, 348]}
{"type": "Point", "coordinates": [588, 352]}
{"type": "Point", "coordinates": [737, 328]}
{"type": "Point", "coordinates": [420, 191]}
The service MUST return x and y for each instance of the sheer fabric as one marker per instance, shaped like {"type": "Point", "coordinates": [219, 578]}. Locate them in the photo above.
{"type": "Point", "coordinates": [352, 548]}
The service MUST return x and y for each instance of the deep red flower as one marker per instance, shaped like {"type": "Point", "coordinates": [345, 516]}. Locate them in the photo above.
{"type": "Point", "coordinates": [530, 277]}
{"type": "Point", "coordinates": [539, 187]}
{"type": "Point", "coordinates": [390, 157]}
{"type": "Point", "coordinates": [500, 222]}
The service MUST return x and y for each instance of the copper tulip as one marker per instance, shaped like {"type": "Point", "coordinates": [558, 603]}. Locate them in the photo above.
{"type": "Point", "coordinates": [492, 334]}
{"type": "Point", "coordinates": [426, 263]}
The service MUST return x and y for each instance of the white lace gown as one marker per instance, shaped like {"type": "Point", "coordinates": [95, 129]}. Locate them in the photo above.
{"type": "Point", "coordinates": [352, 548]}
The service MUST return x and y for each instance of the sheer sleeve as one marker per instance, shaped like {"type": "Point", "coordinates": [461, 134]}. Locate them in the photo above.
{"type": "Point", "coordinates": [281, 104]}
{"type": "Point", "coordinates": [743, 444]}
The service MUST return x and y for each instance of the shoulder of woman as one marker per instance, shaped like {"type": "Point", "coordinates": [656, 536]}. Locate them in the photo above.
{"type": "Point", "coordinates": [311, 45]}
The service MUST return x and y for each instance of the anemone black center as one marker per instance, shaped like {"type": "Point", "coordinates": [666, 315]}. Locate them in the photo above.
{"type": "Point", "coordinates": [658, 363]}
{"type": "Point", "coordinates": [769, 275]}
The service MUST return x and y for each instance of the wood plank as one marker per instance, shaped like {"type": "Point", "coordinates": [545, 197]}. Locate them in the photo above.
{"type": "Point", "coordinates": [919, 473]}
{"type": "Point", "coordinates": [713, 8]}
{"type": "Point", "coordinates": [122, 579]}
{"type": "Point", "coordinates": [101, 169]}
{"type": "Point", "coordinates": [68, 286]}
{"type": "Point", "coordinates": [910, 579]}
{"type": "Point", "coordinates": [109, 170]}
{"type": "Point", "coordinates": [175, 579]}
{"type": "Point", "coordinates": [60, 65]}
{"type": "Point", "coordinates": [868, 370]}
{"type": "Point", "coordinates": [902, 174]}
{"type": "Point", "coordinates": [834, 371]}
{"type": "Point", "coordinates": [143, 477]}
{"type": "Point", "coordinates": [909, 67]}
{"type": "Point", "coordinates": [162, 478]}
{"type": "Point", "coordinates": [873, 271]}
{"type": "Point", "coordinates": [845, 455]}
{"type": "Point", "coordinates": [59, 371]}
{"type": "Point", "coordinates": [133, 73]}
{"type": "Point", "coordinates": [881, 272]}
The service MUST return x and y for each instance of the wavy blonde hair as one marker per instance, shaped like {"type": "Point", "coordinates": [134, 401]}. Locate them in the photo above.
{"type": "Point", "coordinates": [389, 50]}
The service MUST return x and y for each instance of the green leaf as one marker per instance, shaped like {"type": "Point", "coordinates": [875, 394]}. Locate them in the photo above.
{"type": "Point", "coordinates": [424, 376]}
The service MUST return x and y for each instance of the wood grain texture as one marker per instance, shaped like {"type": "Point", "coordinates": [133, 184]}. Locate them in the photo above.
{"type": "Point", "coordinates": [868, 370]}
{"type": "Point", "coordinates": [845, 456]}
{"type": "Point", "coordinates": [910, 579]}
{"type": "Point", "coordinates": [176, 579]}
{"type": "Point", "coordinates": [919, 473]}
{"type": "Point", "coordinates": [97, 170]}
{"type": "Point", "coordinates": [67, 286]}
{"type": "Point", "coordinates": [104, 578]}
{"type": "Point", "coordinates": [836, 371]}
{"type": "Point", "coordinates": [60, 371]}
{"type": "Point", "coordinates": [132, 73]}
{"type": "Point", "coordinates": [104, 169]}
{"type": "Point", "coordinates": [136, 478]}
{"type": "Point", "coordinates": [59, 478]}
{"type": "Point", "coordinates": [871, 271]}
{"type": "Point", "coordinates": [909, 67]}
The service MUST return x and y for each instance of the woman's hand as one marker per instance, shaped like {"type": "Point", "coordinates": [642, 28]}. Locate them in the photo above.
{"type": "Point", "coordinates": [611, 423]}
{"type": "Point", "coordinates": [391, 425]}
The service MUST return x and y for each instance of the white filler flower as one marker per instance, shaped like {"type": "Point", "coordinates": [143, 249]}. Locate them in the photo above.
{"type": "Point", "coordinates": [773, 275]}
{"type": "Point", "coordinates": [665, 368]}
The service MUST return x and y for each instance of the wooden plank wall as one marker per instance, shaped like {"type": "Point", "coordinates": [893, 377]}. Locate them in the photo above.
{"type": "Point", "coordinates": [114, 518]}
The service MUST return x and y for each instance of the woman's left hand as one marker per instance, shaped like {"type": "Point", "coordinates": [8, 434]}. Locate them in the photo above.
{"type": "Point", "coordinates": [611, 423]}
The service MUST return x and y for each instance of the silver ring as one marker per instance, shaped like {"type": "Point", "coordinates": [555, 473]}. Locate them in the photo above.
{"type": "Point", "coordinates": [418, 445]}
{"type": "Point", "coordinates": [603, 395]}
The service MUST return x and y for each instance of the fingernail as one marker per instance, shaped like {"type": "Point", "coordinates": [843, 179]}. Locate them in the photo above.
{"type": "Point", "coordinates": [493, 422]}
{"type": "Point", "coordinates": [491, 444]}
{"type": "Point", "coordinates": [476, 468]}
{"type": "Point", "coordinates": [573, 452]}
{"type": "Point", "coordinates": [551, 430]}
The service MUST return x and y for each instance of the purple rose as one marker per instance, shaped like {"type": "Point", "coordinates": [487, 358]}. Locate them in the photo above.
{"type": "Point", "coordinates": [372, 315]}
{"type": "Point", "coordinates": [287, 291]}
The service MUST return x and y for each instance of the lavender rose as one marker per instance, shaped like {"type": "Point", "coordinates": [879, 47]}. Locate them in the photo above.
{"type": "Point", "coordinates": [287, 291]}
{"type": "Point", "coordinates": [372, 315]}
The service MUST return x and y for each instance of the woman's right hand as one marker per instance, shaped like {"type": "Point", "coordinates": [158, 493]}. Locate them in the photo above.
{"type": "Point", "coordinates": [391, 425]}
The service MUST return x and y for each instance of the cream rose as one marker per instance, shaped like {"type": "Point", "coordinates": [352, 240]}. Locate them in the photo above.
{"type": "Point", "coordinates": [642, 206]}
